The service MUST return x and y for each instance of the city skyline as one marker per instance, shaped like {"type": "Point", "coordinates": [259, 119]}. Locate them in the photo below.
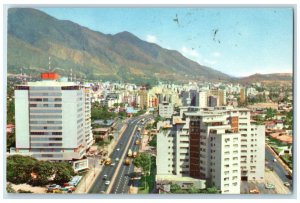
{"type": "Point", "coordinates": [236, 41]}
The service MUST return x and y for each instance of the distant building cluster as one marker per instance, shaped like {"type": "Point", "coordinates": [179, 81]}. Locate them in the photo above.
{"type": "Point", "coordinates": [206, 136]}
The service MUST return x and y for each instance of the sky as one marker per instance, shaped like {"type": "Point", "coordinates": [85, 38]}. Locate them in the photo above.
{"type": "Point", "coordinates": [235, 41]}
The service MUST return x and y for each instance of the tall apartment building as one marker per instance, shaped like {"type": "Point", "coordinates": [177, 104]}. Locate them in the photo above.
{"type": "Point", "coordinates": [143, 99]}
{"type": "Point", "coordinates": [242, 95]}
{"type": "Point", "coordinates": [219, 145]}
{"type": "Point", "coordinates": [53, 119]}
{"type": "Point", "coordinates": [166, 109]}
{"type": "Point", "coordinates": [87, 119]}
{"type": "Point", "coordinates": [201, 99]}
{"type": "Point", "coordinates": [173, 147]}
{"type": "Point", "coordinates": [214, 151]}
{"type": "Point", "coordinates": [213, 101]}
{"type": "Point", "coordinates": [221, 94]}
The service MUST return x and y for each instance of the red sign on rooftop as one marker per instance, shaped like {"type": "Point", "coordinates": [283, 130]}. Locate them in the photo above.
{"type": "Point", "coordinates": [49, 76]}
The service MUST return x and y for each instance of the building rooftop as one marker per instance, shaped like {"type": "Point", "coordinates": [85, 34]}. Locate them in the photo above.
{"type": "Point", "coordinates": [50, 83]}
{"type": "Point", "coordinates": [175, 178]}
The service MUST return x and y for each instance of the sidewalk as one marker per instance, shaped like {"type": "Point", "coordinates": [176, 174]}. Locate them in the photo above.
{"type": "Point", "coordinates": [89, 178]}
{"type": "Point", "coordinates": [272, 177]}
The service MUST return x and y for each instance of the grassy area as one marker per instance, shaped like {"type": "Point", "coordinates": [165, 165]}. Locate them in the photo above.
{"type": "Point", "coordinates": [288, 159]}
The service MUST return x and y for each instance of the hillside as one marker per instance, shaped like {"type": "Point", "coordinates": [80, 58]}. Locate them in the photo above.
{"type": "Point", "coordinates": [33, 36]}
{"type": "Point", "coordinates": [268, 78]}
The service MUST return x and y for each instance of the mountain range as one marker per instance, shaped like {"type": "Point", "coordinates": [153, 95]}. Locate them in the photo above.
{"type": "Point", "coordinates": [33, 36]}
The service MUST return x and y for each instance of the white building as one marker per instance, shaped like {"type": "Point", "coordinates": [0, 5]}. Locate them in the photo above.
{"type": "Point", "coordinates": [201, 99]}
{"type": "Point", "coordinates": [53, 120]}
{"type": "Point", "coordinates": [166, 109]}
{"type": "Point", "coordinates": [219, 145]}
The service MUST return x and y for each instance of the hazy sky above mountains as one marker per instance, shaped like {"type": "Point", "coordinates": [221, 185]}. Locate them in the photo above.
{"type": "Point", "coordinates": [236, 41]}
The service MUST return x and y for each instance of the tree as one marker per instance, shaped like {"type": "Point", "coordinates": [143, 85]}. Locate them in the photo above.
{"type": "Point", "coordinates": [270, 113]}
{"type": "Point", "coordinates": [10, 141]}
{"type": "Point", "coordinates": [157, 119]}
{"type": "Point", "coordinates": [143, 161]}
{"type": "Point", "coordinates": [174, 188]}
{"type": "Point", "coordinates": [122, 114]}
{"type": "Point", "coordinates": [193, 190]}
{"type": "Point", "coordinates": [212, 190]}
{"type": "Point", "coordinates": [153, 142]}
{"type": "Point", "coordinates": [44, 170]}
{"type": "Point", "coordinates": [63, 173]}
{"type": "Point", "coordinates": [110, 138]}
{"type": "Point", "coordinates": [10, 112]}
{"type": "Point", "coordinates": [19, 168]}
{"type": "Point", "coordinates": [149, 126]}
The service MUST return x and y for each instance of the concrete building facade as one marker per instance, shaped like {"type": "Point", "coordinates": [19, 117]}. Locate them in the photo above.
{"type": "Point", "coordinates": [53, 120]}
{"type": "Point", "coordinates": [166, 110]}
{"type": "Point", "coordinates": [219, 145]}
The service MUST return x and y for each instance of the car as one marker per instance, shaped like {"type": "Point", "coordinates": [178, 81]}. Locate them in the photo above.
{"type": "Point", "coordinates": [117, 159]}
{"type": "Point", "coordinates": [105, 177]}
{"type": "Point", "coordinates": [254, 191]}
{"type": "Point", "coordinates": [274, 160]}
{"type": "Point", "coordinates": [107, 182]}
{"type": "Point", "coordinates": [118, 149]}
{"type": "Point", "coordinates": [287, 184]}
{"type": "Point", "coordinates": [269, 186]}
{"type": "Point", "coordinates": [113, 164]}
{"type": "Point", "coordinates": [289, 176]}
{"type": "Point", "coordinates": [53, 187]}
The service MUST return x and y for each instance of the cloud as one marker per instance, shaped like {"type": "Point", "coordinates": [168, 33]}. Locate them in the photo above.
{"type": "Point", "coordinates": [190, 53]}
{"type": "Point", "coordinates": [197, 57]}
{"type": "Point", "coordinates": [151, 38]}
{"type": "Point", "coordinates": [209, 62]}
{"type": "Point", "coordinates": [216, 54]}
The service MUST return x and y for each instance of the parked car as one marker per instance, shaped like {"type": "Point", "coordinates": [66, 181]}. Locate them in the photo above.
{"type": "Point", "coordinates": [68, 188]}
{"type": "Point", "coordinates": [287, 184]}
{"type": "Point", "coordinates": [254, 191]}
{"type": "Point", "coordinates": [105, 177]}
{"type": "Point", "coordinates": [117, 159]}
{"type": "Point", "coordinates": [269, 186]}
{"type": "Point", "coordinates": [113, 164]}
{"type": "Point", "coordinates": [53, 187]}
{"type": "Point", "coordinates": [107, 182]}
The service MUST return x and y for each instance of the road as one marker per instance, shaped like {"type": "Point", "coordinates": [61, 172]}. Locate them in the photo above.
{"type": "Point", "coordinates": [278, 168]}
{"type": "Point", "coordinates": [99, 185]}
{"type": "Point", "coordinates": [123, 182]}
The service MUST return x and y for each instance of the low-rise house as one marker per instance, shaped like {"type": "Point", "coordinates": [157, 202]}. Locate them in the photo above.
{"type": "Point", "coordinates": [101, 133]}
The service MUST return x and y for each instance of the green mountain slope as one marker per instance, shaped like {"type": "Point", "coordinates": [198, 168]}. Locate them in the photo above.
{"type": "Point", "coordinates": [33, 36]}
